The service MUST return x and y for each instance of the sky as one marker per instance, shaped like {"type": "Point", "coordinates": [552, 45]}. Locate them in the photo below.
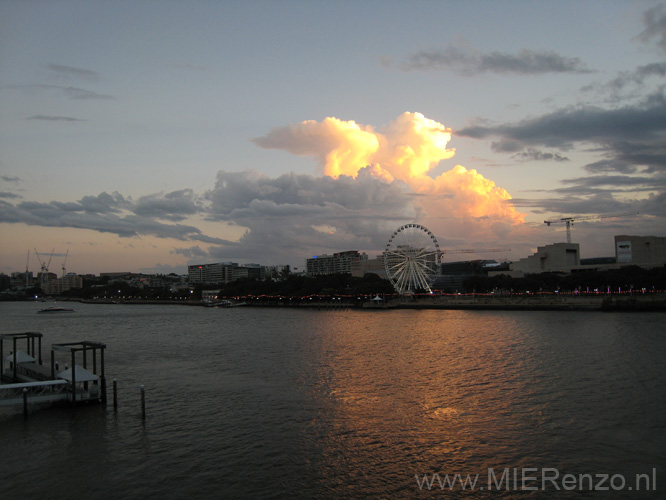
{"type": "Point", "coordinates": [149, 135]}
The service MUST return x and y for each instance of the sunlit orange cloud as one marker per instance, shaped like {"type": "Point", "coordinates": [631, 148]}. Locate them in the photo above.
{"type": "Point", "coordinates": [343, 147]}
{"type": "Point", "coordinates": [407, 149]}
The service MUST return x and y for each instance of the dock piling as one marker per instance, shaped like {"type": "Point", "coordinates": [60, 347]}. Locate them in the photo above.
{"type": "Point", "coordinates": [115, 395]}
{"type": "Point", "coordinates": [25, 403]}
{"type": "Point", "coordinates": [143, 402]}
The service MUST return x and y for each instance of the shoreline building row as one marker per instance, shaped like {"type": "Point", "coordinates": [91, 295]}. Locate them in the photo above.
{"type": "Point", "coordinates": [340, 262]}
{"type": "Point", "coordinates": [643, 251]}
{"type": "Point", "coordinates": [226, 272]}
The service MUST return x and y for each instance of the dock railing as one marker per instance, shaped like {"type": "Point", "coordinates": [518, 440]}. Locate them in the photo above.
{"type": "Point", "coordinates": [37, 392]}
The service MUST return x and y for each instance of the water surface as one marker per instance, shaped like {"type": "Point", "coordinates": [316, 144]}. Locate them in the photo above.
{"type": "Point", "coordinates": [266, 403]}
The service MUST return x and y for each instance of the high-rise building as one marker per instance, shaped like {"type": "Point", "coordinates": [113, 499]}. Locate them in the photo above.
{"type": "Point", "coordinates": [340, 262]}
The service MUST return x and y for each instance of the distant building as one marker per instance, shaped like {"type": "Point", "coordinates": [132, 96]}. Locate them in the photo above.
{"type": "Point", "coordinates": [644, 251]}
{"type": "Point", "coordinates": [274, 272]}
{"type": "Point", "coordinates": [555, 258]}
{"type": "Point", "coordinates": [219, 272]}
{"type": "Point", "coordinates": [223, 272]}
{"type": "Point", "coordinates": [360, 268]}
{"type": "Point", "coordinates": [59, 285]}
{"type": "Point", "coordinates": [19, 280]}
{"type": "Point", "coordinates": [453, 274]}
{"type": "Point", "coordinates": [340, 262]}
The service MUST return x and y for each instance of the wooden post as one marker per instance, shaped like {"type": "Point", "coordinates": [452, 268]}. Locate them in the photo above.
{"type": "Point", "coordinates": [73, 376]}
{"type": "Point", "coordinates": [14, 353]}
{"type": "Point", "coordinates": [115, 394]}
{"type": "Point", "coordinates": [25, 403]}
{"type": "Point", "coordinates": [143, 403]}
{"type": "Point", "coordinates": [85, 367]}
{"type": "Point", "coordinates": [102, 390]}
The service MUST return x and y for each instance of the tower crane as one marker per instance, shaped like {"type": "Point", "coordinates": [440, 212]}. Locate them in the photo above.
{"type": "Point", "coordinates": [27, 264]}
{"type": "Point", "coordinates": [569, 221]}
{"type": "Point", "coordinates": [44, 265]}
{"type": "Point", "coordinates": [475, 250]}
{"type": "Point", "coordinates": [64, 271]}
{"type": "Point", "coordinates": [472, 250]}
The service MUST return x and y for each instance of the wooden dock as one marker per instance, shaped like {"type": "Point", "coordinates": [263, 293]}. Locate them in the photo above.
{"type": "Point", "coordinates": [75, 375]}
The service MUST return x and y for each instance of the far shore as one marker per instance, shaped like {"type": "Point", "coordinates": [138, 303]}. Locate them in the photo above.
{"type": "Point", "coordinates": [514, 302]}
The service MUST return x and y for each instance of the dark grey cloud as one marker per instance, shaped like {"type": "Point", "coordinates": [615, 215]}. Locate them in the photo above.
{"type": "Point", "coordinates": [67, 91]}
{"type": "Point", "coordinates": [297, 216]}
{"type": "Point", "coordinates": [531, 154]}
{"type": "Point", "coordinates": [61, 71]}
{"type": "Point", "coordinates": [5, 194]}
{"type": "Point", "coordinates": [49, 118]}
{"type": "Point", "coordinates": [573, 204]}
{"type": "Point", "coordinates": [77, 93]}
{"type": "Point", "coordinates": [174, 206]}
{"type": "Point", "coordinates": [629, 138]}
{"type": "Point", "coordinates": [562, 128]}
{"type": "Point", "coordinates": [8, 178]}
{"type": "Point", "coordinates": [106, 213]}
{"type": "Point", "coordinates": [654, 20]}
{"type": "Point", "coordinates": [190, 252]}
{"type": "Point", "coordinates": [104, 203]}
{"type": "Point", "coordinates": [469, 62]}
{"type": "Point", "coordinates": [630, 182]}
{"type": "Point", "coordinates": [292, 194]}
{"type": "Point", "coordinates": [627, 86]}
{"type": "Point", "coordinates": [614, 165]}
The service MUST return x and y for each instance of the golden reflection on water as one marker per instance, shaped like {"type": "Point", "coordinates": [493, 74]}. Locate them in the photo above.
{"type": "Point", "coordinates": [430, 381]}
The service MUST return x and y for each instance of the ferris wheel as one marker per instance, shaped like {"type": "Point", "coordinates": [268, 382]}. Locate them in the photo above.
{"type": "Point", "coordinates": [412, 258]}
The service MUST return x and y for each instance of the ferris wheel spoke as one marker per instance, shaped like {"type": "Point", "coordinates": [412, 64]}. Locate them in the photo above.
{"type": "Point", "coordinates": [422, 277]}
{"type": "Point", "coordinates": [402, 279]}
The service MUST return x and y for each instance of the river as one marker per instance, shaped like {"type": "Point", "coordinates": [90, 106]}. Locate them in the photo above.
{"type": "Point", "coordinates": [272, 403]}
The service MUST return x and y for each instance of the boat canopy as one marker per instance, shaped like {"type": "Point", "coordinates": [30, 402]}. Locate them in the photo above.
{"type": "Point", "coordinates": [82, 375]}
{"type": "Point", "coordinates": [21, 357]}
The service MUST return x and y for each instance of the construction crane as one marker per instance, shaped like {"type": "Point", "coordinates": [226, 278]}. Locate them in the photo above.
{"type": "Point", "coordinates": [476, 250]}
{"type": "Point", "coordinates": [569, 221]}
{"type": "Point", "coordinates": [64, 271]}
{"type": "Point", "coordinates": [44, 265]}
{"type": "Point", "coordinates": [27, 264]}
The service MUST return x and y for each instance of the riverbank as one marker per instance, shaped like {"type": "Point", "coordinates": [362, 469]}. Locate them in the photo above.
{"type": "Point", "coordinates": [533, 302]}
{"type": "Point", "coordinates": [515, 302]}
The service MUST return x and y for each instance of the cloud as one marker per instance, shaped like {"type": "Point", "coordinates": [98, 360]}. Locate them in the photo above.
{"type": "Point", "coordinates": [338, 144]}
{"type": "Point", "coordinates": [174, 206]}
{"type": "Point", "coordinates": [106, 213]}
{"type": "Point", "coordinates": [5, 194]}
{"type": "Point", "coordinates": [190, 252]}
{"type": "Point", "coordinates": [375, 179]}
{"type": "Point", "coordinates": [654, 20]}
{"type": "Point", "coordinates": [69, 92]}
{"type": "Point", "coordinates": [469, 61]}
{"type": "Point", "coordinates": [531, 154]}
{"type": "Point", "coordinates": [8, 178]}
{"type": "Point", "coordinates": [631, 137]}
{"type": "Point", "coordinates": [409, 146]}
{"type": "Point", "coordinates": [564, 127]}
{"type": "Point", "coordinates": [61, 71]}
{"type": "Point", "coordinates": [54, 118]}
{"type": "Point", "coordinates": [104, 203]}
{"type": "Point", "coordinates": [77, 93]}
{"type": "Point", "coordinates": [633, 183]}
{"type": "Point", "coordinates": [627, 84]}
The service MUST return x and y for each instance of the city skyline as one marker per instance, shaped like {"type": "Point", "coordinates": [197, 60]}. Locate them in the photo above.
{"type": "Point", "coordinates": [149, 136]}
